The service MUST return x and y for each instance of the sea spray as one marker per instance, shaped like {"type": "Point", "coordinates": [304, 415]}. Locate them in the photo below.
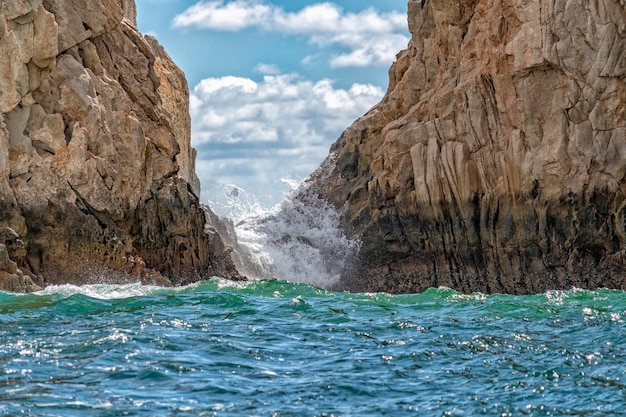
{"type": "Point", "coordinates": [299, 240]}
{"type": "Point", "coordinates": [234, 203]}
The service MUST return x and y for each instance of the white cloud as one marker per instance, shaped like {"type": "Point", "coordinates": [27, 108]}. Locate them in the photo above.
{"type": "Point", "coordinates": [253, 133]}
{"type": "Point", "coordinates": [228, 83]}
{"type": "Point", "coordinates": [234, 109]}
{"type": "Point", "coordinates": [231, 16]}
{"type": "Point", "coordinates": [370, 37]}
{"type": "Point", "coordinates": [267, 69]}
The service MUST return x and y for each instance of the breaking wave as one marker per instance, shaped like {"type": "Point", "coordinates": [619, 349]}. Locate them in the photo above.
{"type": "Point", "coordinates": [299, 240]}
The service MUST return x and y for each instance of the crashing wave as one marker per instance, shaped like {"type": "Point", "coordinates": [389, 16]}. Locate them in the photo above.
{"type": "Point", "coordinates": [299, 240]}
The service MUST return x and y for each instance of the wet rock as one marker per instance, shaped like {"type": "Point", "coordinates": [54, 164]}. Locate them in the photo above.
{"type": "Point", "coordinates": [11, 277]}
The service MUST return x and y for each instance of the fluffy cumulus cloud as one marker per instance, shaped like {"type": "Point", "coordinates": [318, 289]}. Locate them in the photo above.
{"type": "Point", "coordinates": [231, 16]}
{"type": "Point", "coordinates": [253, 133]}
{"type": "Point", "coordinates": [367, 38]}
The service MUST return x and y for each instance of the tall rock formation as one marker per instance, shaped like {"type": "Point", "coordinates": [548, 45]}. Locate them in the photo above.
{"type": "Point", "coordinates": [496, 160]}
{"type": "Point", "coordinates": [97, 180]}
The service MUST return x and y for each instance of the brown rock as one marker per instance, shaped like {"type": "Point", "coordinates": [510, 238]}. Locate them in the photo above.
{"type": "Point", "coordinates": [496, 160]}
{"type": "Point", "coordinates": [17, 283]}
{"type": "Point", "coordinates": [173, 90]}
{"type": "Point", "coordinates": [130, 11]}
{"type": "Point", "coordinates": [12, 278]}
{"type": "Point", "coordinates": [96, 169]}
{"type": "Point", "coordinates": [6, 264]}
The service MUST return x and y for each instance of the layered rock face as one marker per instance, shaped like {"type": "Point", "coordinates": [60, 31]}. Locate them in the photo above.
{"type": "Point", "coordinates": [496, 160]}
{"type": "Point", "coordinates": [97, 180]}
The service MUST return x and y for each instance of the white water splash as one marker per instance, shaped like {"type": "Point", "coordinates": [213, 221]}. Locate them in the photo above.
{"type": "Point", "coordinates": [299, 240]}
{"type": "Point", "coordinates": [233, 202]}
{"type": "Point", "coordinates": [101, 291]}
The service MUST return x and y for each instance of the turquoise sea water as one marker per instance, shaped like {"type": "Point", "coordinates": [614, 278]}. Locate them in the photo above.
{"type": "Point", "coordinates": [272, 348]}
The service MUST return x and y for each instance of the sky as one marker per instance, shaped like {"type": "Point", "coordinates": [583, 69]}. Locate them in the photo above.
{"type": "Point", "coordinates": [273, 83]}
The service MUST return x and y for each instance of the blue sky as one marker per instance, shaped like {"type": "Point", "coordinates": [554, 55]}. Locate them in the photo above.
{"type": "Point", "coordinates": [274, 83]}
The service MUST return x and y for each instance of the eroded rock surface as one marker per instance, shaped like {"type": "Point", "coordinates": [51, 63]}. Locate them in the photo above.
{"type": "Point", "coordinates": [97, 178]}
{"type": "Point", "coordinates": [496, 160]}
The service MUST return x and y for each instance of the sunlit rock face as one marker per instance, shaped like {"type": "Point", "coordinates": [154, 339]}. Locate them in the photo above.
{"type": "Point", "coordinates": [496, 160]}
{"type": "Point", "coordinates": [97, 179]}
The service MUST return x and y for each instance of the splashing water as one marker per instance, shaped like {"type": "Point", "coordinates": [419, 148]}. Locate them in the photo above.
{"type": "Point", "coordinates": [299, 240]}
{"type": "Point", "coordinates": [234, 203]}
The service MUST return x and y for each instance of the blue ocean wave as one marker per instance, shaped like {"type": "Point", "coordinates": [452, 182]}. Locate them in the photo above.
{"type": "Point", "coordinates": [273, 347]}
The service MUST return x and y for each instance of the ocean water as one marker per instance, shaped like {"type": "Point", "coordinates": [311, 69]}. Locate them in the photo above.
{"type": "Point", "coordinates": [275, 348]}
{"type": "Point", "coordinates": [291, 347]}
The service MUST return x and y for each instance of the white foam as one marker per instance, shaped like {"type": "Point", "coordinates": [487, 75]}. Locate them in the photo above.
{"type": "Point", "coordinates": [299, 240]}
{"type": "Point", "coordinates": [101, 291]}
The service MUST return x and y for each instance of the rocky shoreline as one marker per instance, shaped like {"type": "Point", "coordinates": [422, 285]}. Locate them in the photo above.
{"type": "Point", "coordinates": [97, 176]}
{"type": "Point", "coordinates": [496, 160]}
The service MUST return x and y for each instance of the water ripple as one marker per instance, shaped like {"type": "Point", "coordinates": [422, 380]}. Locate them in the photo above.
{"type": "Point", "coordinates": [276, 348]}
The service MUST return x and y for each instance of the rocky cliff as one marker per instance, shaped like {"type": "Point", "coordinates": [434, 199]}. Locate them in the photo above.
{"type": "Point", "coordinates": [97, 180]}
{"type": "Point", "coordinates": [496, 160]}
